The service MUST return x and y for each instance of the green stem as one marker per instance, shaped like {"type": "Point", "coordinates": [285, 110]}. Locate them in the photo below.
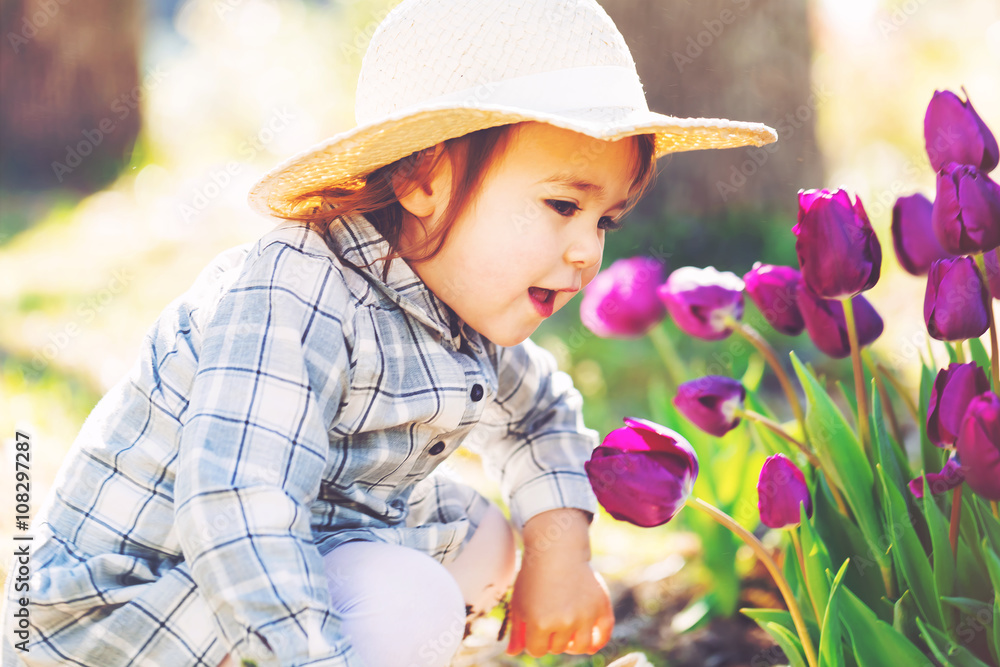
{"type": "Point", "coordinates": [668, 353]}
{"type": "Point", "coordinates": [772, 567]}
{"type": "Point", "coordinates": [959, 348]}
{"type": "Point", "coordinates": [758, 341]}
{"type": "Point", "coordinates": [996, 509]}
{"type": "Point", "coordinates": [859, 376]}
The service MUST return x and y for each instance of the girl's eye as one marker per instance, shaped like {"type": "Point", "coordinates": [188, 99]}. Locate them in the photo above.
{"type": "Point", "coordinates": [609, 224]}
{"type": "Point", "coordinates": [563, 208]}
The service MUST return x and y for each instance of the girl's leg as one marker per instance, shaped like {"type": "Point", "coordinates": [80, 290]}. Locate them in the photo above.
{"type": "Point", "coordinates": [398, 606]}
{"type": "Point", "coordinates": [486, 566]}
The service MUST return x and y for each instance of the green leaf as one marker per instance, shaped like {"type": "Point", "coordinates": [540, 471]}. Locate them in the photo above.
{"type": "Point", "coordinates": [883, 449]}
{"type": "Point", "coordinates": [844, 540]}
{"type": "Point", "coordinates": [817, 562]}
{"type": "Point", "coordinates": [989, 526]}
{"type": "Point", "coordinates": [875, 642]}
{"type": "Point", "coordinates": [953, 654]}
{"type": "Point", "coordinates": [944, 561]}
{"type": "Point", "coordinates": [831, 650]}
{"type": "Point", "coordinates": [996, 627]}
{"type": "Point", "coordinates": [788, 642]}
{"type": "Point", "coordinates": [992, 564]}
{"type": "Point", "coordinates": [908, 554]}
{"type": "Point", "coordinates": [904, 614]}
{"type": "Point", "coordinates": [980, 356]}
{"type": "Point", "coordinates": [843, 459]}
{"type": "Point", "coordinates": [932, 457]}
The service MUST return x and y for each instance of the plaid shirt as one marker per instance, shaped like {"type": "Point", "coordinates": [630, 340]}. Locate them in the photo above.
{"type": "Point", "coordinates": [290, 401]}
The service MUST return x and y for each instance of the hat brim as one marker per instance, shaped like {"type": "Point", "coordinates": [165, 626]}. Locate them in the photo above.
{"type": "Point", "coordinates": [345, 159]}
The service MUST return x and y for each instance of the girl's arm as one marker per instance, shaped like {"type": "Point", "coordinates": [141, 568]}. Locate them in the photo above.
{"type": "Point", "coordinates": [532, 438]}
{"type": "Point", "coordinates": [271, 375]}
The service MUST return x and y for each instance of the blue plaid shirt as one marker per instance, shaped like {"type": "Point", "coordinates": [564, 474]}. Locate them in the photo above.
{"type": "Point", "coordinates": [290, 401]}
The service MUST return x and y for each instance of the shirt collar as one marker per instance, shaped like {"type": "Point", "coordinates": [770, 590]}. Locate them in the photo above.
{"type": "Point", "coordinates": [356, 241]}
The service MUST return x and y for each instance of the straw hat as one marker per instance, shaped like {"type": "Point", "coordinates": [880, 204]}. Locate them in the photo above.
{"type": "Point", "coordinates": [438, 69]}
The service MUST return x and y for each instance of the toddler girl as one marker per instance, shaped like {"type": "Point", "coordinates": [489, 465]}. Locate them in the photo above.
{"type": "Point", "coordinates": [263, 488]}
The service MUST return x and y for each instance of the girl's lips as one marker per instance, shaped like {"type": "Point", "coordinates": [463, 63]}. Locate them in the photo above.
{"type": "Point", "coordinates": [542, 299]}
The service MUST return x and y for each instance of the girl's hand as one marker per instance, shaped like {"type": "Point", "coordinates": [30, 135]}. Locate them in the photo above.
{"type": "Point", "coordinates": [559, 604]}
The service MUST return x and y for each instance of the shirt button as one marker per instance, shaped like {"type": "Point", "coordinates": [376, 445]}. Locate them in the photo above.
{"type": "Point", "coordinates": [437, 448]}
{"type": "Point", "coordinates": [477, 392]}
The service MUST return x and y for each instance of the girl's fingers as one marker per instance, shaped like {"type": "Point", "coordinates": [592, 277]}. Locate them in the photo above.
{"type": "Point", "coordinates": [517, 629]}
{"type": "Point", "coordinates": [582, 639]}
{"type": "Point", "coordinates": [604, 627]}
{"type": "Point", "coordinates": [559, 641]}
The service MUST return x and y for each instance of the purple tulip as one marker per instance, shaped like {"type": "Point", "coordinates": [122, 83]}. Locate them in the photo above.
{"type": "Point", "coordinates": [940, 482]}
{"type": "Point", "coordinates": [966, 214]}
{"type": "Point", "coordinates": [621, 301]}
{"type": "Point", "coordinates": [773, 289]}
{"type": "Point", "coordinates": [827, 327]}
{"type": "Point", "coordinates": [954, 387]}
{"type": "Point", "coordinates": [643, 473]}
{"type": "Point", "coordinates": [913, 235]}
{"type": "Point", "coordinates": [781, 488]}
{"type": "Point", "coordinates": [954, 132]}
{"type": "Point", "coordinates": [839, 254]}
{"type": "Point", "coordinates": [700, 300]}
{"type": "Point", "coordinates": [956, 304]}
{"type": "Point", "coordinates": [711, 403]}
{"type": "Point", "coordinates": [979, 445]}
{"type": "Point", "coordinates": [992, 260]}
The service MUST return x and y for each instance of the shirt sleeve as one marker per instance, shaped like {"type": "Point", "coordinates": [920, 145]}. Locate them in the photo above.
{"type": "Point", "coordinates": [533, 439]}
{"type": "Point", "coordinates": [272, 373]}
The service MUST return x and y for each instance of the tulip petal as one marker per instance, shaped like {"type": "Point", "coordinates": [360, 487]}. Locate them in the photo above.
{"type": "Point", "coordinates": [978, 445]}
{"type": "Point", "coordinates": [781, 488]}
{"type": "Point", "coordinates": [951, 475]}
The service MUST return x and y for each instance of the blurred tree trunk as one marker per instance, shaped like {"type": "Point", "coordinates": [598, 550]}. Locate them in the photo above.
{"type": "Point", "coordinates": [69, 91]}
{"type": "Point", "coordinates": [744, 60]}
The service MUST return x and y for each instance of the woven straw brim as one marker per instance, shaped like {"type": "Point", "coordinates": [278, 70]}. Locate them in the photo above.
{"type": "Point", "coordinates": [345, 159]}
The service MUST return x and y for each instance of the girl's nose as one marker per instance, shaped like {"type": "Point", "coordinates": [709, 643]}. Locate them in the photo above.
{"type": "Point", "coordinates": [585, 249]}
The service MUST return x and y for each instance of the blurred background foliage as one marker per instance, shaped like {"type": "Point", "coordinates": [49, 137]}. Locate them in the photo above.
{"type": "Point", "coordinates": [131, 132]}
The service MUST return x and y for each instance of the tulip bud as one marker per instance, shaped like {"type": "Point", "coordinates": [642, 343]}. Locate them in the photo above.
{"type": "Point", "coordinates": [642, 473]}
{"type": "Point", "coordinates": [781, 488]}
{"type": "Point", "coordinates": [839, 254]}
{"type": "Point", "coordinates": [966, 213]}
{"type": "Point", "coordinates": [951, 475]}
{"type": "Point", "coordinates": [956, 304]}
{"type": "Point", "coordinates": [954, 387]}
{"type": "Point", "coordinates": [954, 132]}
{"type": "Point", "coordinates": [621, 301]}
{"type": "Point", "coordinates": [979, 445]}
{"type": "Point", "coordinates": [913, 235]}
{"type": "Point", "coordinates": [992, 261]}
{"type": "Point", "coordinates": [700, 300]}
{"type": "Point", "coordinates": [827, 327]}
{"type": "Point", "coordinates": [711, 403]}
{"type": "Point", "coordinates": [773, 289]}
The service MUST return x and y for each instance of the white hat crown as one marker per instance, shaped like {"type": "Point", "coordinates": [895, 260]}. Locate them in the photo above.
{"type": "Point", "coordinates": [545, 55]}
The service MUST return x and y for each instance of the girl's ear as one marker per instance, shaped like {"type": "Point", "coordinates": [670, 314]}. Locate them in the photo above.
{"type": "Point", "coordinates": [424, 190]}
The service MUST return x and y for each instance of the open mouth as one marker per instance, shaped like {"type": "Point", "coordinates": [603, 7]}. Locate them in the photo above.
{"type": "Point", "coordinates": [543, 300]}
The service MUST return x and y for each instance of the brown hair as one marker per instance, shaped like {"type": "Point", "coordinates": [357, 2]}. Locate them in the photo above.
{"type": "Point", "coordinates": [471, 156]}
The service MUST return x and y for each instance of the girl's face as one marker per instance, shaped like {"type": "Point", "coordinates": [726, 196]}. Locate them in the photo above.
{"type": "Point", "coordinates": [533, 235]}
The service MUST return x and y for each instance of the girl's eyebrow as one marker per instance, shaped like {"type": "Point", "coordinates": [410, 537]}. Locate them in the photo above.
{"type": "Point", "coordinates": [581, 185]}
